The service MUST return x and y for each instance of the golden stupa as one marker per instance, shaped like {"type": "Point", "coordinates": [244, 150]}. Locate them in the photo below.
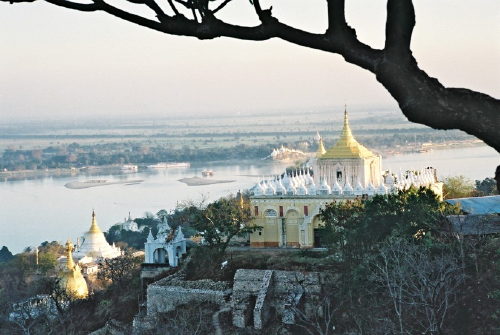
{"type": "Point", "coordinates": [72, 279]}
{"type": "Point", "coordinates": [347, 146]}
{"type": "Point", "coordinates": [321, 148]}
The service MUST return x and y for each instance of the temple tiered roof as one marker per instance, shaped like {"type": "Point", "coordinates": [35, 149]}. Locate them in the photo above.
{"type": "Point", "coordinates": [347, 146]}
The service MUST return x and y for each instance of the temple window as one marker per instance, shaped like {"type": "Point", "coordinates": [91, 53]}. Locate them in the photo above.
{"type": "Point", "coordinates": [306, 210]}
{"type": "Point", "coordinates": [339, 175]}
{"type": "Point", "coordinates": [270, 213]}
{"type": "Point", "coordinates": [281, 210]}
{"type": "Point", "coordinates": [256, 210]}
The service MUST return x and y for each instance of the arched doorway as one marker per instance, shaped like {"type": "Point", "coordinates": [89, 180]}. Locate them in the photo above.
{"type": "Point", "coordinates": [292, 228]}
{"type": "Point", "coordinates": [159, 256]}
{"type": "Point", "coordinates": [178, 251]}
{"type": "Point", "coordinates": [317, 224]}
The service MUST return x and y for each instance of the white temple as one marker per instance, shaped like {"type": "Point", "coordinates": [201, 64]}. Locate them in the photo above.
{"type": "Point", "coordinates": [166, 248]}
{"type": "Point", "coordinates": [129, 224]}
{"type": "Point", "coordinates": [94, 244]}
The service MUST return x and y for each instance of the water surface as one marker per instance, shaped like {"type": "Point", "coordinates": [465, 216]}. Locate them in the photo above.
{"type": "Point", "coordinates": [33, 211]}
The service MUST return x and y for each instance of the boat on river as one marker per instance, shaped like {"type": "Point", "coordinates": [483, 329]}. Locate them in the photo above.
{"type": "Point", "coordinates": [129, 168]}
{"type": "Point", "coordinates": [207, 173]}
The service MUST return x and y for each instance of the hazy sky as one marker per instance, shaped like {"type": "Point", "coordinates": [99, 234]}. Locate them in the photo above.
{"type": "Point", "coordinates": [59, 63]}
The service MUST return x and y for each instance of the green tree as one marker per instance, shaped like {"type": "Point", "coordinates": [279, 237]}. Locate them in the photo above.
{"type": "Point", "coordinates": [47, 262]}
{"type": "Point", "coordinates": [388, 247]}
{"type": "Point", "coordinates": [5, 254]}
{"type": "Point", "coordinates": [486, 186]}
{"type": "Point", "coordinates": [218, 223]}
{"type": "Point", "coordinates": [224, 219]}
{"type": "Point", "coordinates": [353, 228]}
{"type": "Point", "coordinates": [458, 187]}
{"type": "Point", "coordinates": [119, 269]}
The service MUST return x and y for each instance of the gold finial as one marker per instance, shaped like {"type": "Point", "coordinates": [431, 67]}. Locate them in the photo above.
{"type": "Point", "coordinates": [346, 117]}
{"type": "Point", "coordinates": [70, 264]}
{"type": "Point", "coordinates": [346, 135]}
{"type": "Point", "coordinates": [94, 228]}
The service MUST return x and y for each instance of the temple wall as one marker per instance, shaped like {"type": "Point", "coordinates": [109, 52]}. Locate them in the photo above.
{"type": "Point", "coordinates": [354, 169]}
{"type": "Point", "coordinates": [299, 229]}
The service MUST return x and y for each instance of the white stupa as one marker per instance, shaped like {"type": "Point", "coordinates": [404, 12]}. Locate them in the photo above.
{"type": "Point", "coordinates": [94, 244]}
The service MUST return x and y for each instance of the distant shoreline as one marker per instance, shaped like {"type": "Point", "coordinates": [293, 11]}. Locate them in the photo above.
{"type": "Point", "coordinates": [116, 169]}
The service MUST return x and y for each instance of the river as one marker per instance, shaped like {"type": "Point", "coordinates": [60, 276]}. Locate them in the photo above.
{"type": "Point", "coordinates": [33, 211]}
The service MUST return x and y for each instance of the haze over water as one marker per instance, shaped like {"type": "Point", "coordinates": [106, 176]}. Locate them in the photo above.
{"type": "Point", "coordinates": [33, 211]}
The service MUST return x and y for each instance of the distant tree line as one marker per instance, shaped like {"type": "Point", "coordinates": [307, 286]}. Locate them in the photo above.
{"type": "Point", "coordinates": [77, 155]}
{"type": "Point", "coordinates": [74, 155]}
{"type": "Point", "coordinates": [463, 187]}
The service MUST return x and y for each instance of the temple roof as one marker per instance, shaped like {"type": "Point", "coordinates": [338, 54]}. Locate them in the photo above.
{"type": "Point", "coordinates": [347, 146]}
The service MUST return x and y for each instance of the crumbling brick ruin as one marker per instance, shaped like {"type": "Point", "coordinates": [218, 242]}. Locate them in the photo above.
{"type": "Point", "coordinates": [255, 297]}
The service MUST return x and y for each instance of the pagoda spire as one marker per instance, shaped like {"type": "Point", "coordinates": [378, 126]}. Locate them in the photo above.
{"type": "Point", "coordinates": [321, 146]}
{"type": "Point", "coordinates": [94, 228]}
{"type": "Point", "coordinates": [346, 130]}
{"type": "Point", "coordinates": [347, 146]}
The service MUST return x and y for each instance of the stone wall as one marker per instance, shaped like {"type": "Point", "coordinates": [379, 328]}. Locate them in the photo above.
{"type": "Point", "coordinates": [168, 293]}
{"type": "Point", "coordinates": [255, 297]}
{"type": "Point", "coordinates": [256, 292]}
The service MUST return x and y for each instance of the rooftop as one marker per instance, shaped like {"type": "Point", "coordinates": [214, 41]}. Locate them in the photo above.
{"type": "Point", "coordinates": [347, 146]}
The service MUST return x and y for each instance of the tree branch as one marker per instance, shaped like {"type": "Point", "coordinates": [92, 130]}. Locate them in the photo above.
{"type": "Point", "coordinates": [152, 5]}
{"type": "Point", "coordinates": [222, 5]}
{"type": "Point", "coordinates": [172, 6]}
{"type": "Point", "coordinates": [399, 28]}
{"type": "Point", "coordinates": [184, 3]}
{"type": "Point", "coordinates": [90, 7]}
{"type": "Point", "coordinates": [336, 15]}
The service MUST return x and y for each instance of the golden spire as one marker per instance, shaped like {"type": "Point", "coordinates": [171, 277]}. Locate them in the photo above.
{"type": "Point", "coordinates": [321, 147]}
{"type": "Point", "coordinates": [241, 199]}
{"type": "Point", "coordinates": [70, 264]}
{"type": "Point", "coordinates": [346, 130]}
{"type": "Point", "coordinates": [94, 228]}
{"type": "Point", "coordinates": [347, 146]}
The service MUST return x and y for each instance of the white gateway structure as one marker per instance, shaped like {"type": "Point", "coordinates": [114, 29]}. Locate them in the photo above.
{"type": "Point", "coordinates": [167, 248]}
{"type": "Point", "coordinates": [94, 244]}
